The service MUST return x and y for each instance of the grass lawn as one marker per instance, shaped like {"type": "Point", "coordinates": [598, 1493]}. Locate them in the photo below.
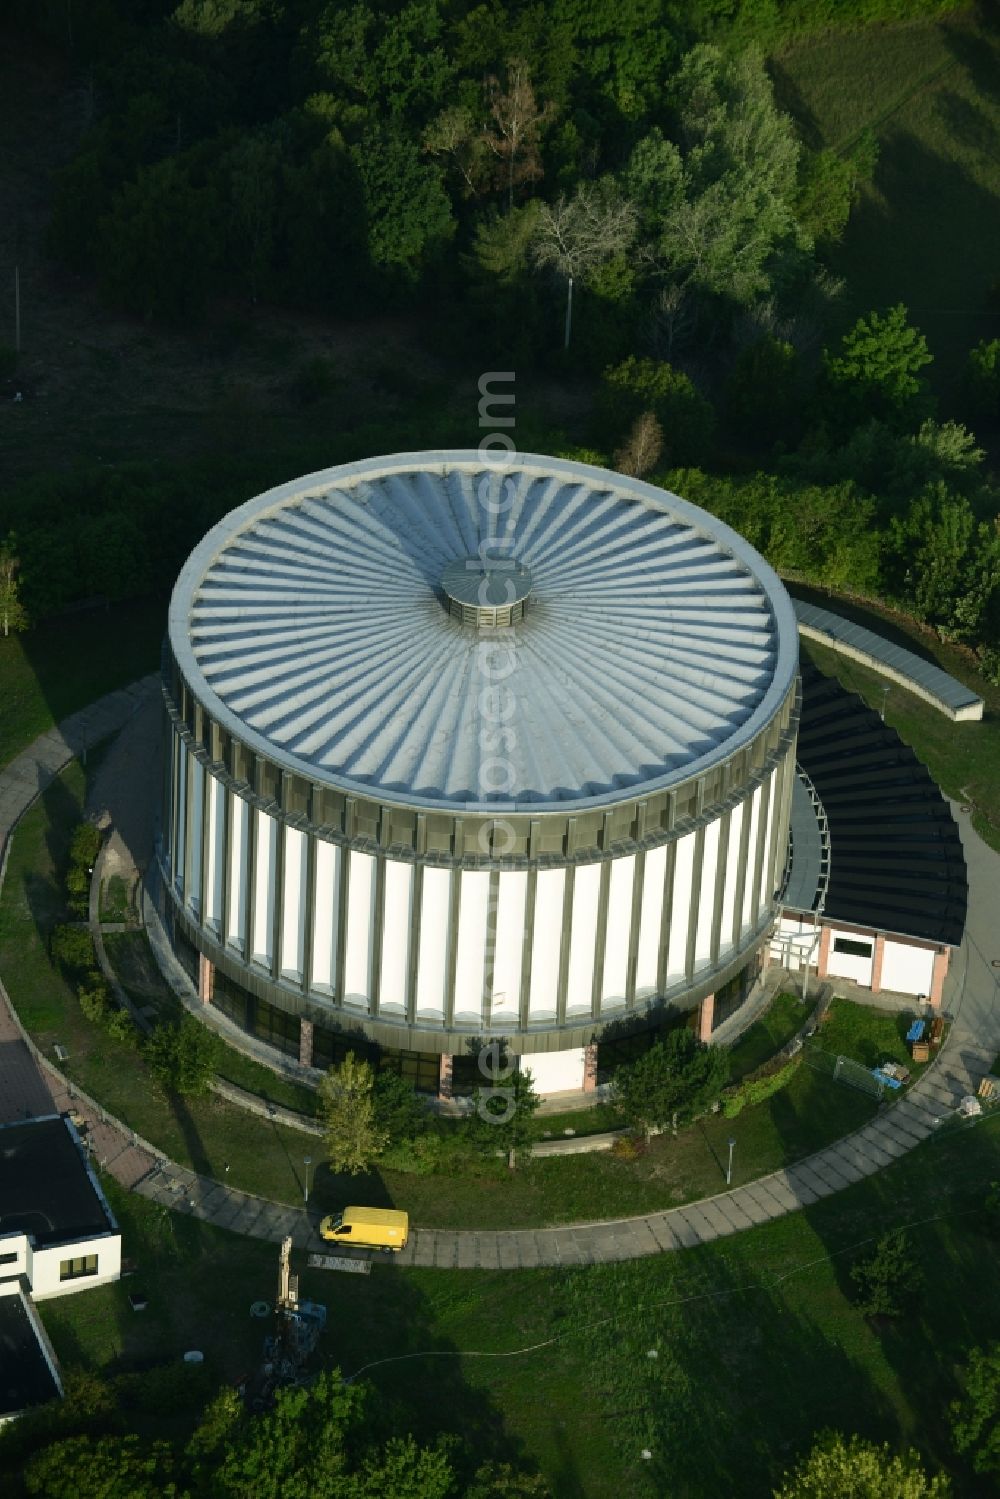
{"type": "Point", "coordinates": [930, 92]}
{"type": "Point", "coordinates": [867, 1035]}
{"type": "Point", "coordinates": [784, 1016]}
{"type": "Point", "coordinates": [208, 1134]}
{"type": "Point", "coordinates": [758, 1343]}
{"type": "Point", "coordinates": [64, 664]}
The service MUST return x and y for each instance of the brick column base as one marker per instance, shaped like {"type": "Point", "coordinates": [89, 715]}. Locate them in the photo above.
{"type": "Point", "coordinates": [823, 956]}
{"type": "Point", "coordinates": [706, 1017]}
{"type": "Point", "coordinates": [206, 979]}
{"type": "Point", "coordinates": [590, 1068]}
{"type": "Point", "coordinates": [937, 976]}
{"type": "Point", "coordinates": [446, 1068]}
{"type": "Point", "coordinates": [877, 960]}
{"type": "Point", "coordinates": [306, 1043]}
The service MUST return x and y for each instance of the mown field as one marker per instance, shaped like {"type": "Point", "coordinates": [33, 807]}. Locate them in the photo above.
{"type": "Point", "coordinates": [926, 228]}
{"type": "Point", "coordinates": [756, 1339]}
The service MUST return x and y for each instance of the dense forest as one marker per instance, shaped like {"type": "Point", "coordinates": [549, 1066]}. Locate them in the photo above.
{"type": "Point", "coordinates": [612, 194]}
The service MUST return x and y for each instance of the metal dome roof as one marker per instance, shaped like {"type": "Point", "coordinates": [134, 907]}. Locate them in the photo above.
{"type": "Point", "coordinates": [314, 624]}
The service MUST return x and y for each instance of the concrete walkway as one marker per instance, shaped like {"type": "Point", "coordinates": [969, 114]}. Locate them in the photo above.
{"type": "Point", "coordinates": [972, 996]}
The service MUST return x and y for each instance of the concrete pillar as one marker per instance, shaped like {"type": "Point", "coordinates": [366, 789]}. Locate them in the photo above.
{"type": "Point", "coordinates": [590, 1068]}
{"type": "Point", "coordinates": [306, 1042]}
{"type": "Point", "coordinates": [938, 975]}
{"type": "Point", "coordinates": [823, 956]}
{"type": "Point", "coordinates": [206, 979]}
{"type": "Point", "coordinates": [446, 1068]}
{"type": "Point", "coordinates": [877, 957]}
{"type": "Point", "coordinates": [706, 1017]}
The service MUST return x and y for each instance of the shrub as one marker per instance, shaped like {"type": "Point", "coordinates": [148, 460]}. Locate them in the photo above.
{"type": "Point", "coordinates": [73, 948]}
{"type": "Point", "coordinates": [651, 385]}
{"type": "Point", "coordinates": [889, 1278]}
{"type": "Point", "coordinates": [94, 998]}
{"type": "Point", "coordinates": [118, 1024]}
{"type": "Point", "coordinates": [183, 1057]}
{"type": "Point", "coordinates": [420, 1157]}
{"type": "Point", "coordinates": [84, 847]}
{"type": "Point", "coordinates": [628, 1147]}
{"type": "Point", "coordinates": [759, 1085]}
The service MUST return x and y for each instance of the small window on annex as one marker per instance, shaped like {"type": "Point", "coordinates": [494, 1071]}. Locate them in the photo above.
{"type": "Point", "coordinates": [853, 949]}
{"type": "Point", "coordinates": [86, 1264]}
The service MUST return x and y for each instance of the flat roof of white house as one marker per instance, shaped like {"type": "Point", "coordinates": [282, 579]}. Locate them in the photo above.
{"type": "Point", "coordinates": [46, 1188]}
{"type": "Point", "coordinates": [313, 623]}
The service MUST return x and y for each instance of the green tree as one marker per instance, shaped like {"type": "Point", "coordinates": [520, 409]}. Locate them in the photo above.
{"type": "Point", "coordinates": [840, 1467]}
{"type": "Point", "coordinates": [503, 1116]}
{"type": "Point", "coordinates": [637, 385]}
{"type": "Point", "coordinates": [764, 391]}
{"type": "Point", "coordinates": [354, 1138]}
{"type": "Point", "coordinates": [929, 547]}
{"type": "Point", "coordinates": [184, 1056]}
{"type": "Point", "coordinates": [399, 1111]}
{"type": "Point", "coordinates": [249, 178]}
{"type": "Point", "coordinates": [982, 380]}
{"type": "Point", "coordinates": [404, 1470]}
{"type": "Point", "coordinates": [888, 1278]}
{"type": "Point", "coordinates": [671, 1081]}
{"type": "Point", "coordinates": [975, 1416]}
{"type": "Point", "coordinates": [73, 948]}
{"type": "Point", "coordinates": [162, 243]}
{"type": "Point", "coordinates": [296, 1450]}
{"type": "Point", "coordinates": [109, 1467]}
{"type": "Point", "coordinates": [876, 371]}
{"type": "Point", "coordinates": [407, 210]}
{"type": "Point", "coordinates": [729, 217]}
{"type": "Point", "coordinates": [829, 187]}
{"type": "Point", "coordinates": [503, 1481]}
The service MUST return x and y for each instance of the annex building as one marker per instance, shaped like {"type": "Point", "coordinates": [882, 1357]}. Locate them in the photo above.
{"type": "Point", "coordinates": [57, 1235]}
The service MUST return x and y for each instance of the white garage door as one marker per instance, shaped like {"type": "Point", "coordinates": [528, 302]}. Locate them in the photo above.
{"type": "Point", "coordinates": [555, 1071]}
{"type": "Point", "coordinates": [907, 970]}
{"type": "Point", "coordinates": [851, 957]}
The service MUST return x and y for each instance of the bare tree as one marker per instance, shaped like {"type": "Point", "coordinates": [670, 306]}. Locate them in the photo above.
{"type": "Point", "coordinates": [673, 318]}
{"type": "Point", "coordinates": [12, 611]}
{"type": "Point", "coordinates": [453, 135]}
{"type": "Point", "coordinates": [576, 235]}
{"type": "Point", "coordinates": [642, 447]}
{"type": "Point", "coordinates": [515, 126]}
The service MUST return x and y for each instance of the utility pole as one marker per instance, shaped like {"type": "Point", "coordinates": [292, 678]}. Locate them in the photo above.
{"type": "Point", "coordinates": [17, 309]}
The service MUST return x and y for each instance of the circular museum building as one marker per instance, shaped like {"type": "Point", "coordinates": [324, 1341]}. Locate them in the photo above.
{"type": "Point", "coordinates": [461, 747]}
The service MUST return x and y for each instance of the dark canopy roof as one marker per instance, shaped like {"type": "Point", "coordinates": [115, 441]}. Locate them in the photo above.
{"type": "Point", "coordinates": [896, 859]}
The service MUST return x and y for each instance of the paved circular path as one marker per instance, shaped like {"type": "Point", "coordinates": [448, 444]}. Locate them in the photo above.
{"type": "Point", "coordinates": [32, 1085]}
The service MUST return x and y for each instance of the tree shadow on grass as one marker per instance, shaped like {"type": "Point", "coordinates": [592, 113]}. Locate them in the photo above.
{"type": "Point", "coordinates": [934, 1192]}
{"type": "Point", "coordinates": [385, 1330]}
{"type": "Point", "coordinates": [711, 1381]}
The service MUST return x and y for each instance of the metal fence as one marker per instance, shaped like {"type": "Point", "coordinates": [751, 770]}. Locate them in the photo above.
{"type": "Point", "coordinates": [843, 1070]}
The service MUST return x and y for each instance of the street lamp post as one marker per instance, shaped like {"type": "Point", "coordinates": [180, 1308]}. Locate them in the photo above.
{"type": "Point", "coordinates": [307, 1162]}
{"type": "Point", "coordinates": [729, 1167]}
{"type": "Point", "coordinates": [885, 695]}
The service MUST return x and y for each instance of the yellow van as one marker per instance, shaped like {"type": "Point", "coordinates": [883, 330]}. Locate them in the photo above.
{"type": "Point", "coordinates": [368, 1228]}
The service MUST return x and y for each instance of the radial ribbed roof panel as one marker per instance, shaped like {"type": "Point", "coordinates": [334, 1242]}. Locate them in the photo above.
{"type": "Point", "coordinates": [312, 622]}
